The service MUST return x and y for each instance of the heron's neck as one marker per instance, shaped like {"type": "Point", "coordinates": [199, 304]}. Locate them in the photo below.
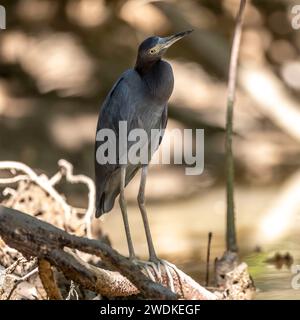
{"type": "Point", "coordinates": [160, 81]}
{"type": "Point", "coordinates": [144, 67]}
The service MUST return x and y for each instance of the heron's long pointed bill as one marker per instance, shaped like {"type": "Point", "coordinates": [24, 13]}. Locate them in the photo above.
{"type": "Point", "coordinates": [168, 41]}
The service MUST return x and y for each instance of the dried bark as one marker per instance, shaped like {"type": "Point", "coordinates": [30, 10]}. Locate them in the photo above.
{"type": "Point", "coordinates": [48, 281]}
{"type": "Point", "coordinates": [33, 237]}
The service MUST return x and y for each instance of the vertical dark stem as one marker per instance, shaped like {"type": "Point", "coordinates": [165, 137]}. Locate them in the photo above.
{"type": "Point", "coordinates": [208, 258]}
{"type": "Point", "coordinates": [231, 242]}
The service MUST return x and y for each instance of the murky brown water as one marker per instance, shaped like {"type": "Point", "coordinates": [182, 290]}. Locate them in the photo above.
{"type": "Point", "coordinates": [180, 231]}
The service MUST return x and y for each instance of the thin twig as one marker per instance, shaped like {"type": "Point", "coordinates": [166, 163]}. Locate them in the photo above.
{"type": "Point", "coordinates": [13, 266]}
{"type": "Point", "coordinates": [13, 179]}
{"type": "Point", "coordinates": [72, 291]}
{"type": "Point", "coordinates": [230, 230]}
{"type": "Point", "coordinates": [208, 258]}
{"type": "Point", "coordinates": [20, 280]}
{"type": "Point", "coordinates": [9, 192]}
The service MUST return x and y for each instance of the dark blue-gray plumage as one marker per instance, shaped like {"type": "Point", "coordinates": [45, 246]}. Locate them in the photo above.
{"type": "Point", "coordinates": [140, 97]}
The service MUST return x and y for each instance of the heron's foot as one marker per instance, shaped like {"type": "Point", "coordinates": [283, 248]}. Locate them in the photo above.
{"type": "Point", "coordinates": [155, 268]}
{"type": "Point", "coordinates": [133, 259]}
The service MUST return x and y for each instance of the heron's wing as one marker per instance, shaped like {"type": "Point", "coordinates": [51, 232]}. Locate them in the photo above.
{"type": "Point", "coordinates": [118, 106]}
{"type": "Point", "coordinates": [114, 107]}
{"type": "Point", "coordinates": [164, 122]}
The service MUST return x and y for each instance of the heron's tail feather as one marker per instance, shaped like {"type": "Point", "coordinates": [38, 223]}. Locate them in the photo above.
{"type": "Point", "coordinates": [100, 206]}
{"type": "Point", "coordinates": [104, 204]}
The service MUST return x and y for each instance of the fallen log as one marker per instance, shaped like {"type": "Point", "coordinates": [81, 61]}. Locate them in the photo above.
{"type": "Point", "coordinates": [33, 237]}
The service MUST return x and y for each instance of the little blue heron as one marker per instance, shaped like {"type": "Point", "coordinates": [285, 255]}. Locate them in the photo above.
{"type": "Point", "coordinates": [140, 97]}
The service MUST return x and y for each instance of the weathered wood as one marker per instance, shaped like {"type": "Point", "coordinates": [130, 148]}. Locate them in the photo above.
{"type": "Point", "coordinates": [48, 281]}
{"type": "Point", "coordinates": [33, 237]}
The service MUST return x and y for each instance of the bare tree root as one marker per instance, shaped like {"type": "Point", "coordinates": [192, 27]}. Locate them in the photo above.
{"type": "Point", "coordinates": [23, 173]}
{"type": "Point", "coordinates": [33, 237]}
{"type": "Point", "coordinates": [66, 169]}
{"type": "Point", "coordinates": [41, 181]}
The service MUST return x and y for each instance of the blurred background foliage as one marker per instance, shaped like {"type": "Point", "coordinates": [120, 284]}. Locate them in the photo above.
{"type": "Point", "coordinates": [59, 58]}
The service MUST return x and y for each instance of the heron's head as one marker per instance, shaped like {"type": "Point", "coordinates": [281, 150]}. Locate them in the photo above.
{"type": "Point", "coordinates": [153, 48]}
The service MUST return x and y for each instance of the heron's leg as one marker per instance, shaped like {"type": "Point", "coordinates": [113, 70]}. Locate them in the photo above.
{"type": "Point", "coordinates": [123, 206]}
{"type": "Point", "coordinates": [154, 263]}
{"type": "Point", "coordinates": [141, 202]}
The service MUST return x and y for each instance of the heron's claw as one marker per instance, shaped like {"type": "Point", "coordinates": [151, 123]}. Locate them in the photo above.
{"type": "Point", "coordinates": [154, 268]}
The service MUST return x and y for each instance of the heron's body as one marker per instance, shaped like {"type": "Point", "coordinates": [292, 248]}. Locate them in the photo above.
{"type": "Point", "coordinates": [141, 100]}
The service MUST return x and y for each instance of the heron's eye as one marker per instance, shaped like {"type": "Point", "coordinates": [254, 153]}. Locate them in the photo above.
{"type": "Point", "coordinates": [152, 51]}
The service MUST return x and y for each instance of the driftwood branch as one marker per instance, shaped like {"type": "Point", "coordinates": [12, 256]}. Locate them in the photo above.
{"type": "Point", "coordinates": [66, 169]}
{"type": "Point", "coordinates": [48, 185]}
{"type": "Point", "coordinates": [41, 181]}
{"type": "Point", "coordinates": [33, 237]}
